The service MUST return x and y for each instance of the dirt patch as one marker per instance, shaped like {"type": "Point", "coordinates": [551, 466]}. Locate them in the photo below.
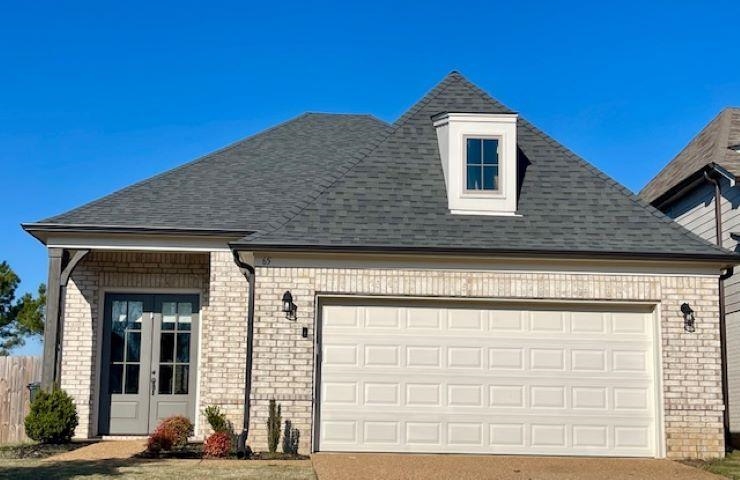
{"type": "Point", "coordinates": [105, 450]}
{"type": "Point", "coordinates": [454, 467]}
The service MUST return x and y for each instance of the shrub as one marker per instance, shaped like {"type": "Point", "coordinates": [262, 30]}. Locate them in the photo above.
{"type": "Point", "coordinates": [217, 419]}
{"type": "Point", "coordinates": [171, 433]}
{"type": "Point", "coordinates": [53, 417]}
{"type": "Point", "coordinates": [291, 438]}
{"type": "Point", "coordinates": [218, 445]}
{"type": "Point", "coordinates": [274, 420]}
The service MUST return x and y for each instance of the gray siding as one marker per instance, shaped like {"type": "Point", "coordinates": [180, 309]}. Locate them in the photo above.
{"type": "Point", "coordinates": [696, 212]}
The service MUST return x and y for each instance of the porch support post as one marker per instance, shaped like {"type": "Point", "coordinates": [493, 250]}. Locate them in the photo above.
{"type": "Point", "coordinates": [61, 265]}
{"type": "Point", "coordinates": [51, 327]}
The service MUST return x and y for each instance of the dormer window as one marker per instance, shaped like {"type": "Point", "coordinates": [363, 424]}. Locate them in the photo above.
{"type": "Point", "coordinates": [478, 153]}
{"type": "Point", "coordinates": [481, 164]}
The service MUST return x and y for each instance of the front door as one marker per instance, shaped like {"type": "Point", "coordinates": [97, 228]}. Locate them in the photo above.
{"type": "Point", "coordinates": [149, 352]}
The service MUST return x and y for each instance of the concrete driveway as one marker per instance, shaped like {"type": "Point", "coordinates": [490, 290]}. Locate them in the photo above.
{"type": "Point", "coordinates": [361, 466]}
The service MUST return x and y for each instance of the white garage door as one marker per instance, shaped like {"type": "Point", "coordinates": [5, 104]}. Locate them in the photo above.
{"type": "Point", "coordinates": [560, 380]}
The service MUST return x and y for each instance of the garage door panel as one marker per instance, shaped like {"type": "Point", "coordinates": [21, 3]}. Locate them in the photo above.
{"type": "Point", "coordinates": [423, 379]}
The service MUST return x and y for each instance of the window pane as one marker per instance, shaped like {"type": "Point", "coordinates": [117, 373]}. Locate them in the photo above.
{"type": "Point", "coordinates": [132, 379]}
{"type": "Point", "coordinates": [474, 153]}
{"type": "Point", "coordinates": [115, 379]}
{"type": "Point", "coordinates": [490, 152]}
{"type": "Point", "coordinates": [490, 178]}
{"type": "Point", "coordinates": [183, 347]}
{"type": "Point", "coordinates": [133, 346]}
{"type": "Point", "coordinates": [165, 379]}
{"type": "Point", "coordinates": [135, 312]}
{"type": "Point", "coordinates": [474, 178]}
{"type": "Point", "coordinates": [116, 344]}
{"type": "Point", "coordinates": [167, 347]}
{"type": "Point", "coordinates": [185, 315]}
{"type": "Point", "coordinates": [181, 379]}
{"type": "Point", "coordinates": [169, 315]}
{"type": "Point", "coordinates": [118, 312]}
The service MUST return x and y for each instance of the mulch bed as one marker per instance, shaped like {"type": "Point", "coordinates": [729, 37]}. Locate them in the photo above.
{"type": "Point", "coordinates": [38, 450]}
{"type": "Point", "coordinates": [195, 451]}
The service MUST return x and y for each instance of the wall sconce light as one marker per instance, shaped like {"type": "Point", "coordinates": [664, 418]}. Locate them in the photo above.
{"type": "Point", "coordinates": [289, 307]}
{"type": "Point", "coordinates": [689, 319]}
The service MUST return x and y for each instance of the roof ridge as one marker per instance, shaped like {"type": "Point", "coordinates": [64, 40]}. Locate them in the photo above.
{"type": "Point", "coordinates": [179, 167]}
{"type": "Point", "coordinates": [310, 199]}
{"type": "Point", "coordinates": [618, 187]}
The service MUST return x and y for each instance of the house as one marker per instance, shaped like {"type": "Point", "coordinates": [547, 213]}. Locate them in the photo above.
{"type": "Point", "coordinates": [456, 281]}
{"type": "Point", "coordinates": [687, 190]}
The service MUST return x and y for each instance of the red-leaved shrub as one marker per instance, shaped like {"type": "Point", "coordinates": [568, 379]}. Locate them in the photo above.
{"type": "Point", "coordinates": [172, 432]}
{"type": "Point", "coordinates": [218, 445]}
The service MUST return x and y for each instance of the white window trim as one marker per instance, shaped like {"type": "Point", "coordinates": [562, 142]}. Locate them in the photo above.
{"type": "Point", "coordinates": [499, 190]}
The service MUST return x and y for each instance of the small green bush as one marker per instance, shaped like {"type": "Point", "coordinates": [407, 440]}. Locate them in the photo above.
{"type": "Point", "coordinates": [217, 419]}
{"type": "Point", "coordinates": [291, 438]}
{"type": "Point", "coordinates": [274, 420]}
{"type": "Point", "coordinates": [53, 417]}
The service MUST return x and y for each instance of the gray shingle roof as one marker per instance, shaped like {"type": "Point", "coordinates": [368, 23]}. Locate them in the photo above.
{"type": "Point", "coordinates": [395, 198]}
{"type": "Point", "coordinates": [353, 182]}
{"type": "Point", "coordinates": [711, 145]}
{"type": "Point", "coordinates": [242, 187]}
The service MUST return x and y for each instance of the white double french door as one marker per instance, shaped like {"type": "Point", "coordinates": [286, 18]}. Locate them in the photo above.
{"type": "Point", "coordinates": [148, 361]}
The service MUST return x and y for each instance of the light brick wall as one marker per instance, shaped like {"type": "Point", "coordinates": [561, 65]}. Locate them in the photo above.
{"type": "Point", "coordinates": [223, 322]}
{"type": "Point", "coordinates": [283, 361]}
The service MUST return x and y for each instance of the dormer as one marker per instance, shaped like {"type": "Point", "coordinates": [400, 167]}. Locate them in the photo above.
{"type": "Point", "coordinates": [478, 152]}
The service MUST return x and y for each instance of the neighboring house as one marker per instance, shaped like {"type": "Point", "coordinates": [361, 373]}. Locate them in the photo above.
{"type": "Point", "coordinates": [457, 281]}
{"type": "Point", "coordinates": [686, 190]}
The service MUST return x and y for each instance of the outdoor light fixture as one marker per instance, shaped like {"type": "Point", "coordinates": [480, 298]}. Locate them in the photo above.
{"type": "Point", "coordinates": [288, 306]}
{"type": "Point", "coordinates": [688, 318]}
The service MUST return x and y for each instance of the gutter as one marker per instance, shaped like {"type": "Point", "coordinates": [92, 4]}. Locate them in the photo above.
{"type": "Point", "coordinates": [495, 252]}
{"type": "Point", "coordinates": [714, 177]}
{"type": "Point", "coordinates": [242, 450]}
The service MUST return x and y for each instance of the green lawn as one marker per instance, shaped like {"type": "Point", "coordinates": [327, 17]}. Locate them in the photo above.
{"type": "Point", "coordinates": [728, 466]}
{"type": "Point", "coordinates": [34, 469]}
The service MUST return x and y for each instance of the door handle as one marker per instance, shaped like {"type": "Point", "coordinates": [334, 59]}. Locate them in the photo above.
{"type": "Point", "coordinates": [154, 382]}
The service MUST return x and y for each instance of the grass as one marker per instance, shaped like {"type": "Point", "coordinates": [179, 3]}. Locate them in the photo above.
{"type": "Point", "coordinates": [728, 466]}
{"type": "Point", "coordinates": [143, 469]}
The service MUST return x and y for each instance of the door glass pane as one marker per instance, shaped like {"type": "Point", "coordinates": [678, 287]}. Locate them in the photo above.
{"type": "Point", "coordinates": [132, 379]}
{"type": "Point", "coordinates": [133, 347]}
{"type": "Point", "coordinates": [115, 378]}
{"type": "Point", "coordinates": [165, 379]}
{"type": "Point", "coordinates": [167, 347]}
{"type": "Point", "coordinates": [116, 345]}
{"type": "Point", "coordinates": [181, 379]}
{"type": "Point", "coordinates": [135, 314]}
{"type": "Point", "coordinates": [119, 312]}
{"type": "Point", "coordinates": [183, 347]}
{"type": "Point", "coordinates": [185, 315]}
{"type": "Point", "coordinates": [169, 315]}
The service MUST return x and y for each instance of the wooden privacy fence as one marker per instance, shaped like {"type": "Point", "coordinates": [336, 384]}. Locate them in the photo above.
{"type": "Point", "coordinates": [15, 375]}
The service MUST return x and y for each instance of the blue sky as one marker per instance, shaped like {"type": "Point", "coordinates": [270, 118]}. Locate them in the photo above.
{"type": "Point", "coordinates": [97, 95]}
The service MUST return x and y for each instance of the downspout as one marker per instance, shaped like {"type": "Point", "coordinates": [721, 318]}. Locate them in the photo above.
{"type": "Point", "coordinates": [711, 177]}
{"type": "Point", "coordinates": [242, 450]}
